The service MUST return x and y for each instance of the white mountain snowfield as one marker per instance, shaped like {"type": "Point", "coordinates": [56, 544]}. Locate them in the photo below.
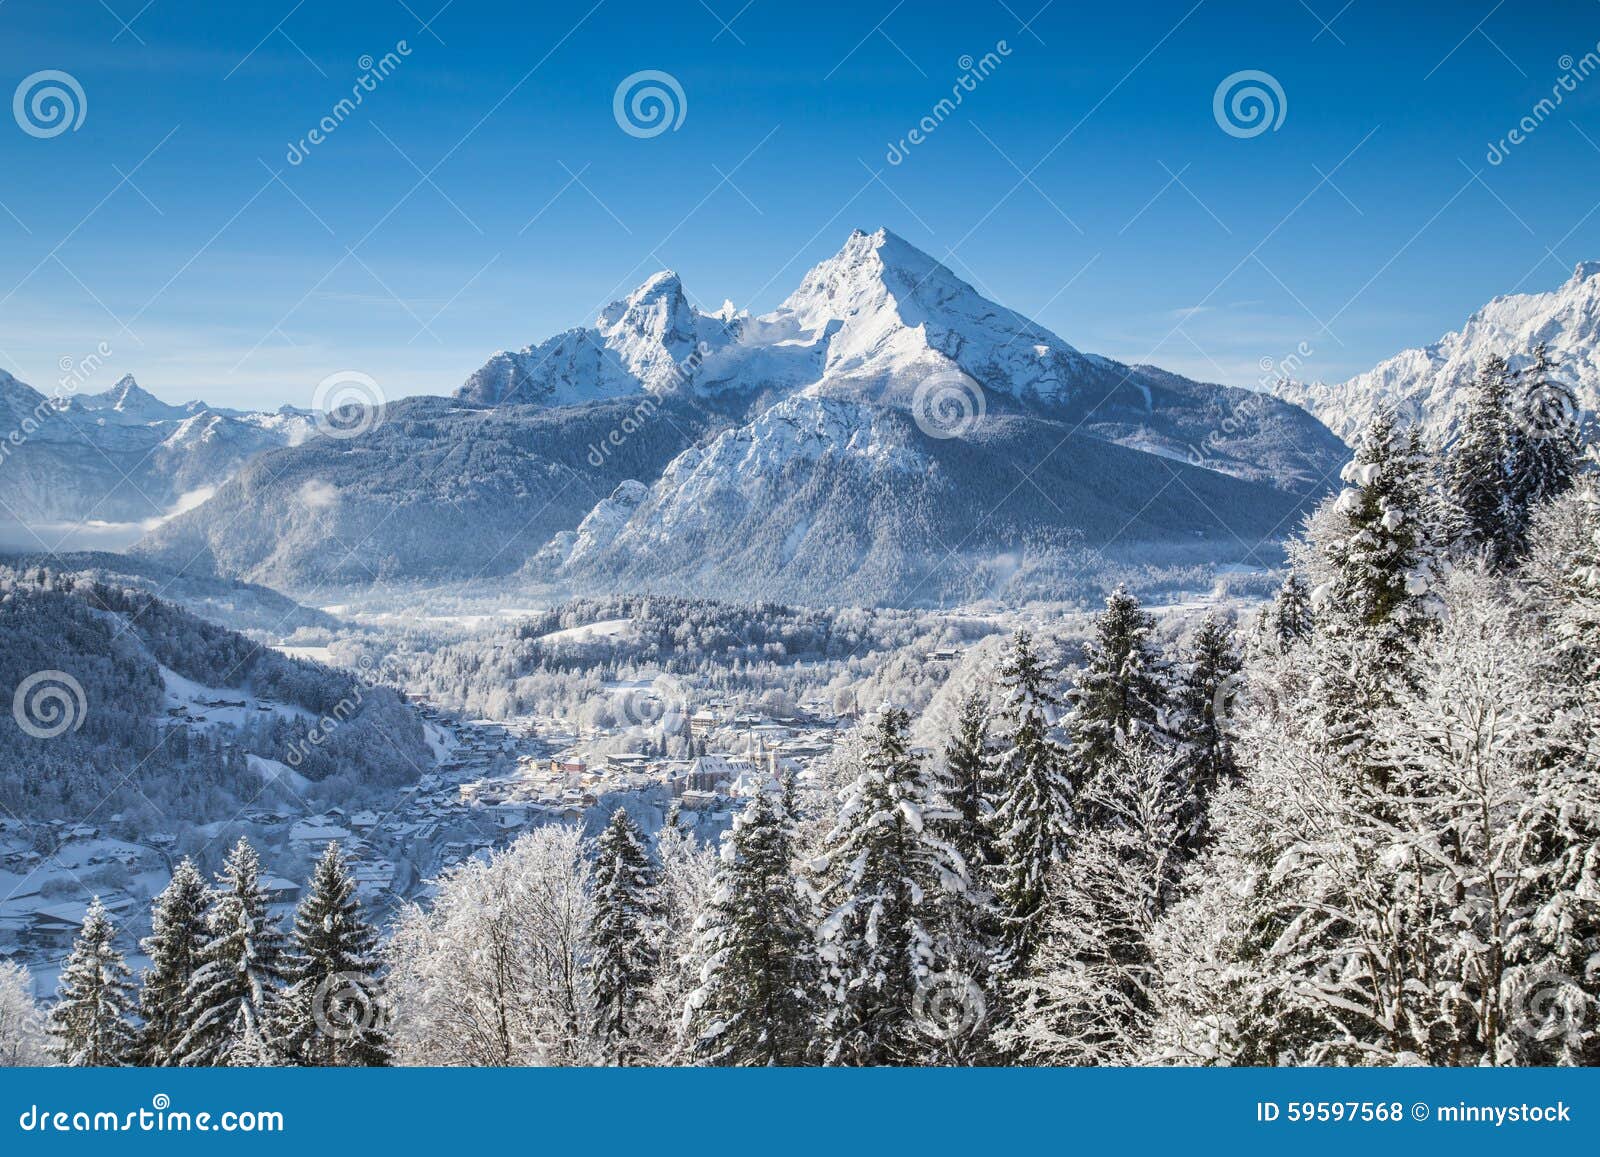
{"type": "Point", "coordinates": [1426, 385]}
{"type": "Point", "coordinates": [874, 321]}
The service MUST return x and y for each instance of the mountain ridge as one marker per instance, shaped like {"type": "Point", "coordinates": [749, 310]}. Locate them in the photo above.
{"type": "Point", "coordinates": [885, 419]}
{"type": "Point", "coordinates": [1427, 385]}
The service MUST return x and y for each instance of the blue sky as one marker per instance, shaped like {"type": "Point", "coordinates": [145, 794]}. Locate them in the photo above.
{"type": "Point", "coordinates": [483, 195]}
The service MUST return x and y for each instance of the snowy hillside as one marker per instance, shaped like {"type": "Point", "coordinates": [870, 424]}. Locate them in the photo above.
{"type": "Point", "coordinates": [1426, 385]}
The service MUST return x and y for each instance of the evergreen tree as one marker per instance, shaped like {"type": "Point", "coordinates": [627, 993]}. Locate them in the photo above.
{"type": "Point", "coordinates": [1475, 475]}
{"type": "Point", "coordinates": [1203, 698]}
{"type": "Point", "coordinates": [333, 1011]}
{"type": "Point", "coordinates": [885, 950]}
{"type": "Point", "coordinates": [1037, 809]}
{"type": "Point", "coordinates": [233, 995]}
{"type": "Point", "coordinates": [1379, 549]}
{"type": "Point", "coordinates": [623, 934]}
{"type": "Point", "coordinates": [1093, 993]}
{"type": "Point", "coordinates": [1118, 695]}
{"type": "Point", "coordinates": [1290, 616]}
{"type": "Point", "coordinates": [1544, 446]}
{"type": "Point", "coordinates": [177, 939]}
{"type": "Point", "coordinates": [970, 785]}
{"type": "Point", "coordinates": [91, 1018]}
{"type": "Point", "coordinates": [757, 1000]}
{"type": "Point", "coordinates": [1376, 547]}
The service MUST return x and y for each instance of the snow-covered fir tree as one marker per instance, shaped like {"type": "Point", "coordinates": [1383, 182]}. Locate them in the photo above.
{"type": "Point", "coordinates": [1037, 809]}
{"type": "Point", "coordinates": [233, 995]}
{"type": "Point", "coordinates": [1378, 553]}
{"type": "Point", "coordinates": [623, 935]}
{"type": "Point", "coordinates": [1203, 697]}
{"type": "Point", "coordinates": [1544, 445]}
{"type": "Point", "coordinates": [757, 1001]}
{"type": "Point", "coordinates": [333, 1010]}
{"type": "Point", "coordinates": [1092, 995]}
{"type": "Point", "coordinates": [24, 1039]}
{"type": "Point", "coordinates": [178, 936]}
{"type": "Point", "coordinates": [971, 785]}
{"type": "Point", "coordinates": [884, 946]}
{"type": "Point", "coordinates": [1289, 616]}
{"type": "Point", "coordinates": [1475, 472]}
{"type": "Point", "coordinates": [1374, 550]}
{"type": "Point", "coordinates": [1119, 693]}
{"type": "Point", "coordinates": [970, 781]}
{"type": "Point", "coordinates": [91, 1020]}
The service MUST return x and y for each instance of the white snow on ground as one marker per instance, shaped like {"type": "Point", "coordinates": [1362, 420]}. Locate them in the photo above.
{"type": "Point", "coordinates": [210, 706]}
{"type": "Point", "coordinates": [605, 629]}
{"type": "Point", "coordinates": [440, 741]}
{"type": "Point", "coordinates": [315, 654]}
{"type": "Point", "coordinates": [272, 771]}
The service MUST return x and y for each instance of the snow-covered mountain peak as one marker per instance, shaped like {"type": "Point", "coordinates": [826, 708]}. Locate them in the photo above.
{"type": "Point", "coordinates": [1428, 385]}
{"type": "Point", "coordinates": [873, 322]}
{"type": "Point", "coordinates": [129, 402]}
{"type": "Point", "coordinates": [658, 312]}
{"type": "Point", "coordinates": [901, 316]}
{"type": "Point", "coordinates": [652, 340]}
{"type": "Point", "coordinates": [861, 278]}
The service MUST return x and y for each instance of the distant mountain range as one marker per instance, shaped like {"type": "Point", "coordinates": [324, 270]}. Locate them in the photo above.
{"type": "Point", "coordinates": [122, 456]}
{"type": "Point", "coordinates": [1426, 385]}
{"type": "Point", "coordinates": [885, 435]}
